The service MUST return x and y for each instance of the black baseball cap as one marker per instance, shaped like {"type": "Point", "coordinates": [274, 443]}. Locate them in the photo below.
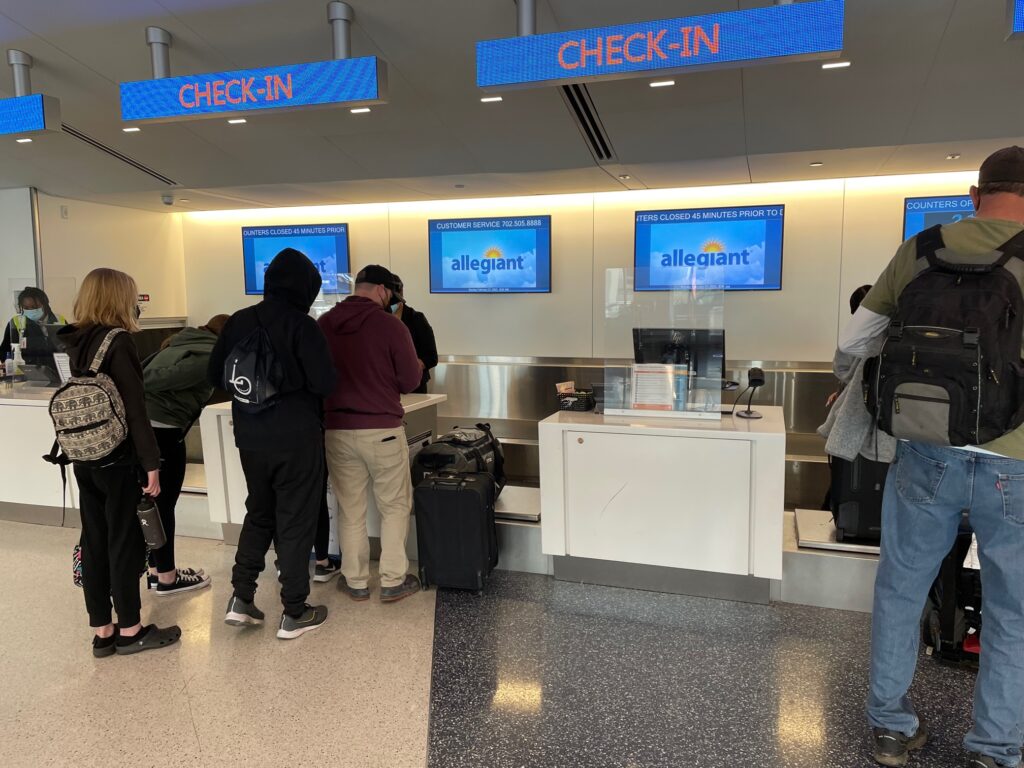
{"type": "Point", "coordinates": [398, 287]}
{"type": "Point", "coordinates": [1004, 166]}
{"type": "Point", "coordinates": [375, 274]}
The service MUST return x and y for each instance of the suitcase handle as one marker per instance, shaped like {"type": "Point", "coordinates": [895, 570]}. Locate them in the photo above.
{"type": "Point", "coordinates": [450, 479]}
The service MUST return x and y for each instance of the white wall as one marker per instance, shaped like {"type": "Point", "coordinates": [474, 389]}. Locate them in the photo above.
{"type": "Point", "coordinates": [839, 234]}
{"type": "Point", "coordinates": [17, 252]}
{"type": "Point", "coordinates": [148, 246]}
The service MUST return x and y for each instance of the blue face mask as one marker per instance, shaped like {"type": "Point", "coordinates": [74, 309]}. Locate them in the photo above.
{"type": "Point", "coordinates": [35, 315]}
{"type": "Point", "coordinates": [393, 309]}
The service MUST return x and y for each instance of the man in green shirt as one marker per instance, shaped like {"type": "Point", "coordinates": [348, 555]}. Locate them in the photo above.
{"type": "Point", "coordinates": [928, 488]}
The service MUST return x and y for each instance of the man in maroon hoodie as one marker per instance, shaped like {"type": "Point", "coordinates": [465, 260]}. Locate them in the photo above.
{"type": "Point", "coordinates": [366, 445]}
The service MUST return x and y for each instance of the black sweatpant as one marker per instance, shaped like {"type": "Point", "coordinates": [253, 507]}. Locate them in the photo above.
{"type": "Point", "coordinates": [172, 477]}
{"type": "Point", "coordinates": [113, 550]}
{"type": "Point", "coordinates": [285, 491]}
{"type": "Point", "coordinates": [322, 543]}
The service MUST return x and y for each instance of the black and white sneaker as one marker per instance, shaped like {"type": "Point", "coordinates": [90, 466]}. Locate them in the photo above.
{"type": "Point", "coordinates": [975, 760]}
{"type": "Point", "coordinates": [183, 583]}
{"type": "Point", "coordinates": [312, 618]}
{"type": "Point", "coordinates": [240, 613]}
{"type": "Point", "coordinates": [153, 581]}
{"type": "Point", "coordinates": [325, 573]}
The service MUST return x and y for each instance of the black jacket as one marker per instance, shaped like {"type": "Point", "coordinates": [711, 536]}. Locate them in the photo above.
{"type": "Point", "coordinates": [121, 364]}
{"type": "Point", "coordinates": [291, 285]}
{"type": "Point", "coordinates": [423, 339]}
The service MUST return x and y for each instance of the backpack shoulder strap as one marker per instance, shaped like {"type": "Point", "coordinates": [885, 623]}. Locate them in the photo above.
{"type": "Point", "coordinates": [1012, 248]}
{"type": "Point", "coordinates": [929, 242]}
{"type": "Point", "coordinates": [101, 353]}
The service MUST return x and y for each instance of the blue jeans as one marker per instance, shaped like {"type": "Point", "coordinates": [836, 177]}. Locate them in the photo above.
{"type": "Point", "coordinates": [927, 490]}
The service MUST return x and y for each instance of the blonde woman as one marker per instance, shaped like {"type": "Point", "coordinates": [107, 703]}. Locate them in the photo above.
{"type": "Point", "coordinates": [113, 550]}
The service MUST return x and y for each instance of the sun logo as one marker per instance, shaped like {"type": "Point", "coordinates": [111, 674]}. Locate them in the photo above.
{"type": "Point", "coordinates": [713, 246]}
{"type": "Point", "coordinates": [493, 253]}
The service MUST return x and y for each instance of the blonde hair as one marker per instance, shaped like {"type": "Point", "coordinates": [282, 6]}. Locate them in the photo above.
{"type": "Point", "coordinates": [108, 298]}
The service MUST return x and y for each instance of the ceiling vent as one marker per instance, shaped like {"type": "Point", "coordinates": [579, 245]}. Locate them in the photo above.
{"type": "Point", "coordinates": [117, 155]}
{"type": "Point", "coordinates": [581, 107]}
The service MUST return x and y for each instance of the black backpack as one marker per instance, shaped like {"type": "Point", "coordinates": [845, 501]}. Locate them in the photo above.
{"type": "Point", "coordinates": [949, 372]}
{"type": "Point", "coordinates": [461, 451]}
{"type": "Point", "coordinates": [251, 372]}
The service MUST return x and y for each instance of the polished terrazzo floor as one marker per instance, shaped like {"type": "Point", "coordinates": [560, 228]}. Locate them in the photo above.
{"type": "Point", "coordinates": [545, 674]}
{"type": "Point", "coordinates": [353, 693]}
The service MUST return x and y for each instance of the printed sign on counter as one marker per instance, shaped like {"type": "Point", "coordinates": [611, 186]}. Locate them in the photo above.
{"type": "Point", "coordinates": [734, 38]}
{"type": "Point", "coordinates": [320, 84]}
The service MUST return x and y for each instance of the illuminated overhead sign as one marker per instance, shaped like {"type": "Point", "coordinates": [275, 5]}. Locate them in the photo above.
{"type": "Point", "coordinates": [811, 30]}
{"type": "Point", "coordinates": [321, 84]}
{"type": "Point", "coordinates": [29, 114]}
{"type": "Point", "coordinates": [1015, 14]}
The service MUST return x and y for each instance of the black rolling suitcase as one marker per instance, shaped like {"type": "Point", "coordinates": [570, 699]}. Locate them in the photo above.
{"type": "Point", "coordinates": [456, 534]}
{"type": "Point", "coordinates": [856, 498]}
{"type": "Point", "coordinates": [951, 625]}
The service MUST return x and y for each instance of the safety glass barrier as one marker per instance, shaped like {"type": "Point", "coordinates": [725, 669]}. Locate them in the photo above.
{"type": "Point", "coordinates": [335, 287]}
{"type": "Point", "coordinates": [666, 342]}
{"type": "Point", "coordinates": [34, 317]}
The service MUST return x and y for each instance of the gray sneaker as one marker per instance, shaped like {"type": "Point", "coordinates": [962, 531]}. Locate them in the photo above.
{"type": "Point", "coordinates": [312, 618]}
{"type": "Point", "coordinates": [975, 760]}
{"type": "Point", "coordinates": [359, 595]}
{"type": "Point", "coordinates": [410, 586]}
{"type": "Point", "coordinates": [893, 749]}
{"type": "Point", "coordinates": [241, 614]}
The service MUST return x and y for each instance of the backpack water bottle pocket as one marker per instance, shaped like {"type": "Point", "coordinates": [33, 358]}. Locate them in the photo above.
{"type": "Point", "coordinates": [923, 412]}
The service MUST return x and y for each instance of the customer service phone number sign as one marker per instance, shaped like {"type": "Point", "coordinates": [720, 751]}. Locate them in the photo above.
{"type": "Point", "coordinates": [734, 38]}
{"type": "Point", "coordinates": [320, 84]}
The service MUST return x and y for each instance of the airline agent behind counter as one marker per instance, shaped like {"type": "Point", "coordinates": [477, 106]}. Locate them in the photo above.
{"type": "Point", "coordinates": [419, 328]}
{"type": "Point", "coordinates": [24, 329]}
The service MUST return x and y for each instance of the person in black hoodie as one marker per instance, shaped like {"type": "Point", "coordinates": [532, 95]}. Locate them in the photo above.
{"type": "Point", "coordinates": [113, 549]}
{"type": "Point", "coordinates": [282, 446]}
{"type": "Point", "coordinates": [420, 330]}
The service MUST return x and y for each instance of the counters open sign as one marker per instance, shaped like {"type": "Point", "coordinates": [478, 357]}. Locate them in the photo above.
{"type": "Point", "coordinates": [734, 38]}
{"type": "Point", "coordinates": [320, 84]}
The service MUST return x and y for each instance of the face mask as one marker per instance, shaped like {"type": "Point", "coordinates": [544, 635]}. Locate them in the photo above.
{"type": "Point", "coordinates": [35, 315]}
{"type": "Point", "coordinates": [393, 309]}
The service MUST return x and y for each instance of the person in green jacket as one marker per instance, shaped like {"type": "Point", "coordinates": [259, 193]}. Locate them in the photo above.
{"type": "Point", "coordinates": [176, 392]}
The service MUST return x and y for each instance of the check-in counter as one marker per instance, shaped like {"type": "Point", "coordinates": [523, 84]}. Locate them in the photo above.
{"type": "Point", "coordinates": [225, 483]}
{"type": "Point", "coordinates": [673, 505]}
{"type": "Point", "coordinates": [30, 488]}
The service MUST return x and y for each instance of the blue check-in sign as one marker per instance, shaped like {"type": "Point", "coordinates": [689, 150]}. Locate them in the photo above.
{"type": "Point", "coordinates": [320, 84]}
{"type": "Point", "coordinates": [811, 30]}
{"type": "Point", "coordinates": [1015, 16]}
{"type": "Point", "coordinates": [29, 114]}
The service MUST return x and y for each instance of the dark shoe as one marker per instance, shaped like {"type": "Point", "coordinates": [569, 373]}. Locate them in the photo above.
{"type": "Point", "coordinates": [359, 595]}
{"type": "Point", "coordinates": [325, 573]}
{"type": "Point", "coordinates": [410, 586]}
{"type": "Point", "coordinates": [149, 638]}
{"type": "Point", "coordinates": [152, 582]}
{"type": "Point", "coordinates": [974, 760]}
{"type": "Point", "coordinates": [240, 613]}
{"type": "Point", "coordinates": [312, 618]}
{"type": "Point", "coordinates": [183, 583]}
{"type": "Point", "coordinates": [893, 749]}
{"type": "Point", "coordinates": [102, 647]}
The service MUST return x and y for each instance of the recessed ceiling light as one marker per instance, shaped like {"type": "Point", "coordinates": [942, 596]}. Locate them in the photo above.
{"type": "Point", "coordinates": [491, 99]}
{"type": "Point", "coordinates": [24, 141]}
{"type": "Point", "coordinates": [836, 65]}
{"type": "Point", "coordinates": [460, 186]}
{"type": "Point", "coordinates": [625, 176]}
{"type": "Point", "coordinates": [133, 129]}
{"type": "Point", "coordinates": [953, 156]}
{"type": "Point", "coordinates": [237, 121]}
{"type": "Point", "coordinates": [360, 110]}
{"type": "Point", "coordinates": [184, 200]}
{"type": "Point", "coordinates": [662, 83]}
{"type": "Point", "coordinates": [817, 164]}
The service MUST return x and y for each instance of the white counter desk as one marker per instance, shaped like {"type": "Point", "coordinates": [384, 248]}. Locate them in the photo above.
{"type": "Point", "coordinates": [225, 482]}
{"type": "Point", "coordinates": [30, 488]}
{"type": "Point", "coordinates": [672, 505]}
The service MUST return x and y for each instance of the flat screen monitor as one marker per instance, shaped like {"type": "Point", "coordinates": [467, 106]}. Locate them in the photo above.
{"type": "Point", "coordinates": [503, 255]}
{"type": "Point", "coordinates": [703, 350]}
{"type": "Point", "coordinates": [732, 249]}
{"type": "Point", "coordinates": [921, 213]}
{"type": "Point", "coordinates": [326, 245]}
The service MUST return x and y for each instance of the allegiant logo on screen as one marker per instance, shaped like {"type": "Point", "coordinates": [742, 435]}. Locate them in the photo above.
{"type": "Point", "coordinates": [713, 253]}
{"type": "Point", "coordinates": [493, 261]}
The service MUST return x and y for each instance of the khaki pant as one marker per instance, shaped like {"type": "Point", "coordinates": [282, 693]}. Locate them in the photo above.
{"type": "Point", "coordinates": [361, 459]}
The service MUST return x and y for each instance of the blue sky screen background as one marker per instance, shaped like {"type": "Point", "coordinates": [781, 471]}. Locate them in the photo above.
{"type": "Point", "coordinates": [502, 255]}
{"type": "Point", "coordinates": [735, 249]}
{"type": "Point", "coordinates": [326, 245]}
{"type": "Point", "coordinates": [920, 213]}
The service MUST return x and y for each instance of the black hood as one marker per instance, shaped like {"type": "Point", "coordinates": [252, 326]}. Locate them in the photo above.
{"type": "Point", "coordinates": [291, 278]}
{"type": "Point", "coordinates": [80, 342]}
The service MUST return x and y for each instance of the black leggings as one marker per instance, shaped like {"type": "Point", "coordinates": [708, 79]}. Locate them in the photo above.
{"type": "Point", "coordinates": [113, 550]}
{"type": "Point", "coordinates": [172, 476]}
{"type": "Point", "coordinates": [322, 541]}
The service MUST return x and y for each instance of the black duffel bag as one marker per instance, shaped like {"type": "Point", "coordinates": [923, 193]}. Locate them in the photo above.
{"type": "Point", "coordinates": [463, 450]}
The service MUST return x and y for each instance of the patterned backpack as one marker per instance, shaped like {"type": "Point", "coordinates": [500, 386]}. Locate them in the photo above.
{"type": "Point", "coordinates": [88, 414]}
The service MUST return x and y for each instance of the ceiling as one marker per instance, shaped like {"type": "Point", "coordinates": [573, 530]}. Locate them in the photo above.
{"type": "Point", "coordinates": [929, 77]}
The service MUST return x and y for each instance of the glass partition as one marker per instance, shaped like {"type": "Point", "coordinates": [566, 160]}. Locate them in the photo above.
{"type": "Point", "coordinates": [31, 330]}
{"type": "Point", "coordinates": [669, 348]}
{"type": "Point", "coordinates": [331, 292]}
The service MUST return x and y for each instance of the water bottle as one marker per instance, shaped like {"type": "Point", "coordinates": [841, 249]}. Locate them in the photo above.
{"type": "Point", "coordinates": [152, 526]}
{"type": "Point", "coordinates": [9, 366]}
